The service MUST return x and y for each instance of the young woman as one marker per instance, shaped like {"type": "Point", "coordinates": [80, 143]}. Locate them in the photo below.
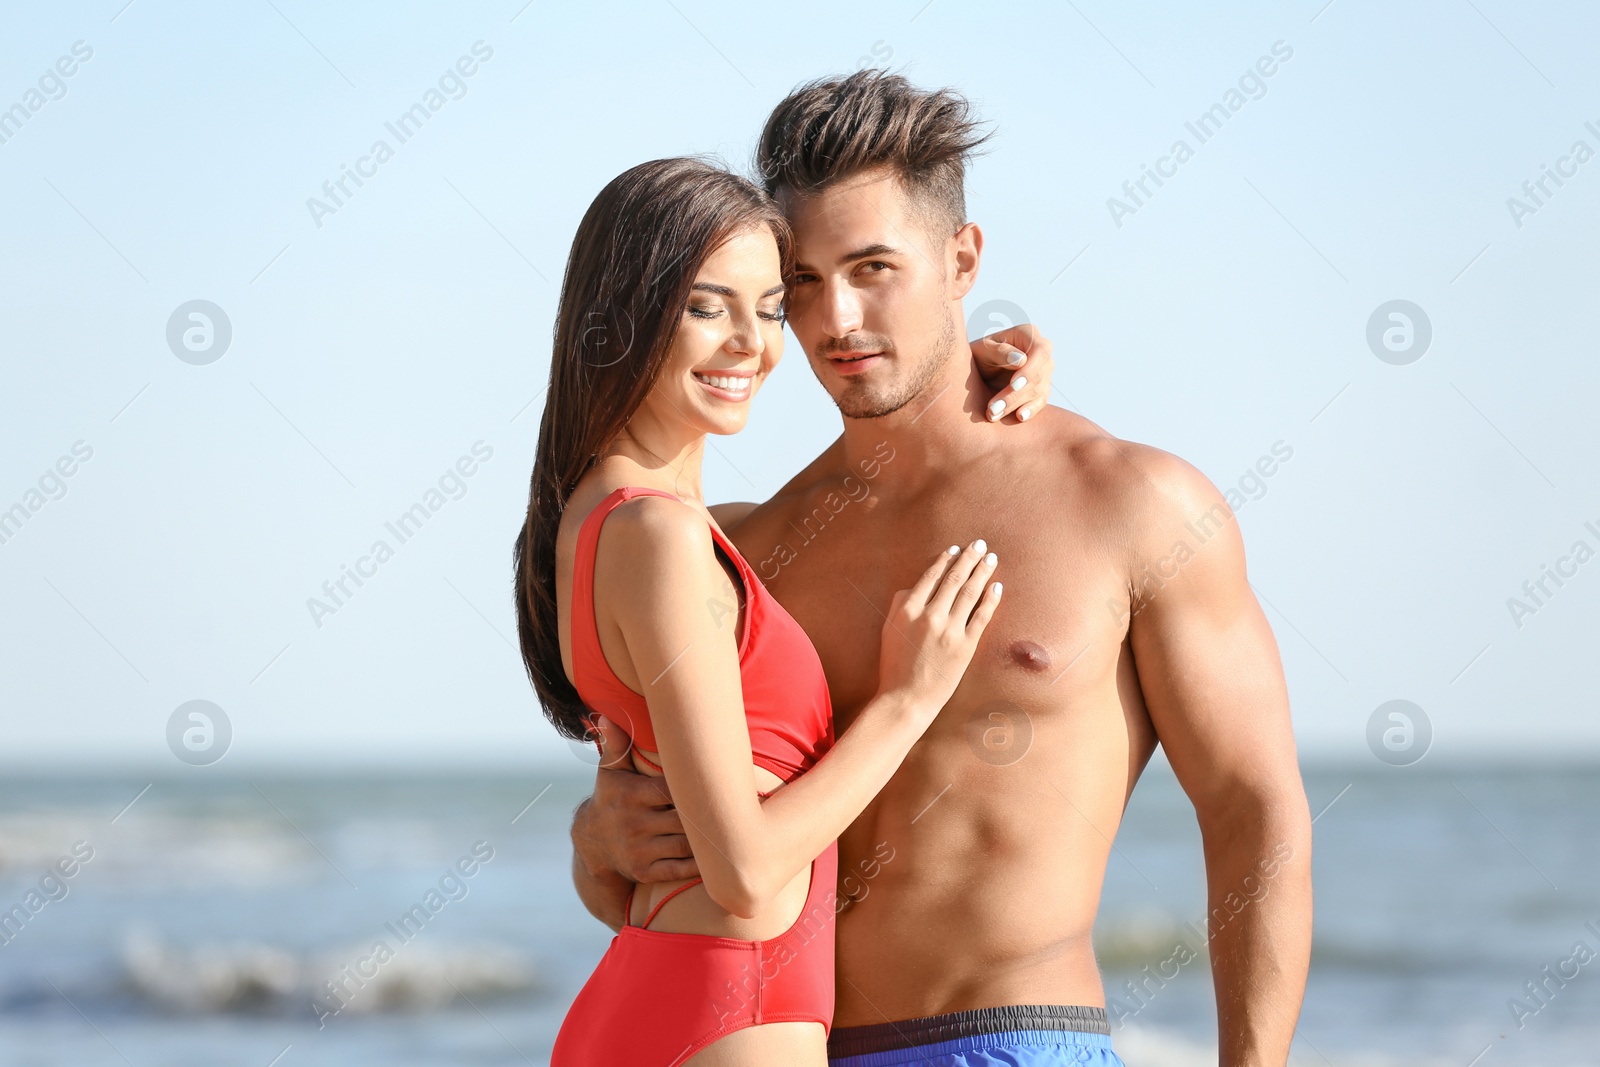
{"type": "Point", "coordinates": [632, 603]}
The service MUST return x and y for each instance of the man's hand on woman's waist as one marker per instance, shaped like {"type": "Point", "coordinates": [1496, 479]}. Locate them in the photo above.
{"type": "Point", "coordinates": [629, 828]}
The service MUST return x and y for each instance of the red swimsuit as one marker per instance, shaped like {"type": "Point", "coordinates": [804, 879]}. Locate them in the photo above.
{"type": "Point", "coordinates": [657, 998]}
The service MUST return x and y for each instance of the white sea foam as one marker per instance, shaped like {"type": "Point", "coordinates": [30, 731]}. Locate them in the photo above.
{"type": "Point", "coordinates": [252, 976]}
{"type": "Point", "coordinates": [156, 850]}
{"type": "Point", "coordinates": [1134, 939]}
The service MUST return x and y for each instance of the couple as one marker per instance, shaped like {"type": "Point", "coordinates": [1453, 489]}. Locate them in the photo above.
{"type": "Point", "coordinates": [855, 805]}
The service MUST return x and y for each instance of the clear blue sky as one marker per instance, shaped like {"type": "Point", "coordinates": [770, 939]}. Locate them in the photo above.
{"type": "Point", "coordinates": [373, 346]}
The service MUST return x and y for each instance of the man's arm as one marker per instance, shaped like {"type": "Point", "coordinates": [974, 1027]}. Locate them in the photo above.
{"type": "Point", "coordinates": [603, 892]}
{"type": "Point", "coordinates": [627, 832]}
{"type": "Point", "coordinates": [1209, 669]}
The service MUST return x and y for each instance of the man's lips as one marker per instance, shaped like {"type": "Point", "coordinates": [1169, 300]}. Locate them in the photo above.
{"type": "Point", "coordinates": [855, 362]}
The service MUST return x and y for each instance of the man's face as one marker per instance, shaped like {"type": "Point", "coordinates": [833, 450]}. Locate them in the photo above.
{"type": "Point", "coordinates": [873, 304]}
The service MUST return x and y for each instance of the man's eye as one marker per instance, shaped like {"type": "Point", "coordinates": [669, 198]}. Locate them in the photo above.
{"type": "Point", "coordinates": [876, 266]}
{"type": "Point", "coordinates": [802, 279]}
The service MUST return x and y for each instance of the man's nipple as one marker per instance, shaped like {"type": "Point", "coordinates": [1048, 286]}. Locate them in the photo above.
{"type": "Point", "coordinates": [1030, 655]}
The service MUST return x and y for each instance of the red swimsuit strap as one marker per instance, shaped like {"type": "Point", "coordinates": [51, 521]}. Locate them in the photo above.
{"type": "Point", "coordinates": [585, 626]}
{"type": "Point", "coordinates": [586, 630]}
{"type": "Point", "coordinates": [663, 901]}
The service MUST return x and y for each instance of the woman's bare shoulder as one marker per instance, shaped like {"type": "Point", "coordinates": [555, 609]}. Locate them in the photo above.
{"type": "Point", "coordinates": [655, 539]}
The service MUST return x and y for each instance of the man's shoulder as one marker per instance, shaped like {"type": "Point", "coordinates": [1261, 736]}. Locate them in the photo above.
{"type": "Point", "coordinates": [827, 470]}
{"type": "Point", "coordinates": [1137, 484]}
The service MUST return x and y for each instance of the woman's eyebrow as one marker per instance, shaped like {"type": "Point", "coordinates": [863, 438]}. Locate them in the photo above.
{"type": "Point", "coordinates": [723, 290]}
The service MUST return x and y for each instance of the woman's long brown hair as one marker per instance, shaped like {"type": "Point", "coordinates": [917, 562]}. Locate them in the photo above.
{"type": "Point", "coordinates": [628, 278]}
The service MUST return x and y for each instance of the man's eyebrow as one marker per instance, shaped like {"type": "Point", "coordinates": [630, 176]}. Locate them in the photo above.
{"type": "Point", "coordinates": [860, 253]}
{"type": "Point", "coordinates": [723, 290]}
{"type": "Point", "coordinates": [870, 250]}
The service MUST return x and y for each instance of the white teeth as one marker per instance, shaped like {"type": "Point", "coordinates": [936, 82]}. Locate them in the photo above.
{"type": "Point", "coordinates": [733, 385]}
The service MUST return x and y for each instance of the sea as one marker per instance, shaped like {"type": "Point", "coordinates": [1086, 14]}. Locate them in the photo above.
{"type": "Point", "coordinates": [355, 918]}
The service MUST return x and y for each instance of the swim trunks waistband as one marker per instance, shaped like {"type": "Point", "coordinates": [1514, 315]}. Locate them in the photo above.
{"type": "Point", "coordinates": [1010, 1018]}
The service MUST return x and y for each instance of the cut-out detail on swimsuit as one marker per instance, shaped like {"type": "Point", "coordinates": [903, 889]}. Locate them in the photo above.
{"type": "Point", "coordinates": [627, 909]}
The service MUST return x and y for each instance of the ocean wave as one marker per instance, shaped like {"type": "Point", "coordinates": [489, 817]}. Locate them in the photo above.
{"type": "Point", "coordinates": [1135, 940]}
{"type": "Point", "coordinates": [254, 977]}
{"type": "Point", "coordinates": [1131, 940]}
{"type": "Point", "coordinates": [153, 851]}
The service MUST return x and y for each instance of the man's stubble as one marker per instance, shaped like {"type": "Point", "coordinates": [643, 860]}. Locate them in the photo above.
{"type": "Point", "coordinates": [860, 401]}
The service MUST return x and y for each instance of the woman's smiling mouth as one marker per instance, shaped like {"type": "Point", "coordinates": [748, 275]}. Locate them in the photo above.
{"type": "Point", "coordinates": [726, 386]}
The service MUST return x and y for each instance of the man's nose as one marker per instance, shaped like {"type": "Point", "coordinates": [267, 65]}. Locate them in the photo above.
{"type": "Point", "coordinates": [841, 310]}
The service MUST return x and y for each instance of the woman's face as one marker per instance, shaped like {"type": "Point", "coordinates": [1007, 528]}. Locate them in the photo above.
{"type": "Point", "coordinates": [729, 338]}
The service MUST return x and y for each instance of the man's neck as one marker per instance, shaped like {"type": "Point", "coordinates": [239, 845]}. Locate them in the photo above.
{"type": "Point", "coordinates": [942, 428]}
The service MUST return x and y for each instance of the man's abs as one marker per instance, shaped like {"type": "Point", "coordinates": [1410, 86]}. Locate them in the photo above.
{"type": "Point", "coordinates": [973, 879]}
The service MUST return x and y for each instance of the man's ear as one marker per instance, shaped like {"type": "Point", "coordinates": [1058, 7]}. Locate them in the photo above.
{"type": "Point", "coordinates": [965, 249]}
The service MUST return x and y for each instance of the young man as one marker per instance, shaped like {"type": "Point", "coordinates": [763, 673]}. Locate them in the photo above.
{"type": "Point", "coordinates": [969, 887]}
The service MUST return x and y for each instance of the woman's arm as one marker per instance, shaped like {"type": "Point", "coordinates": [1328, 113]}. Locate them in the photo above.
{"type": "Point", "coordinates": [657, 572]}
{"type": "Point", "coordinates": [1017, 363]}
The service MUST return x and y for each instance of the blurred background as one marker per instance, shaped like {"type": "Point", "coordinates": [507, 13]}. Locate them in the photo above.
{"type": "Point", "coordinates": [1359, 296]}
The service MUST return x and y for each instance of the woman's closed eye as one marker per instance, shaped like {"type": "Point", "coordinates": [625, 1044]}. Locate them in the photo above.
{"type": "Point", "coordinates": [702, 311]}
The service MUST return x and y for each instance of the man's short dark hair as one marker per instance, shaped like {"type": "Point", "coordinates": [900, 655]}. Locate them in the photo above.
{"type": "Point", "coordinates": [831, 129]}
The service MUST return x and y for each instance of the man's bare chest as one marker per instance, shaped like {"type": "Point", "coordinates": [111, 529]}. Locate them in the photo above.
{"type": "Point", "coordinates": [1059, 628]}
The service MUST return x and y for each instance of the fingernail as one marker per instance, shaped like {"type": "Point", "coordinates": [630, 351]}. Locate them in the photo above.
{"type": "Point", "coordinates": [990, 559]}
{"type": "Point", "coordinates": [996, 588]}
{"type": "Point", "coordinates": [1022, 415]}
{"type": "Point", "coordinates": [1018, 383]}
{"type": "Point", "coordinates": [980, 545]}
{"type": "Point", "coordinates": [955, 550]}
{"type": "Point", "coordinates": [997, 407]}
{"type": "Point", "coordinates": [1015, 359]}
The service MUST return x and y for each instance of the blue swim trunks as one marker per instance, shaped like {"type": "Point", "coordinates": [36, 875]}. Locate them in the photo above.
{"type": "Point", "coordinates": [1017, 1035]}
